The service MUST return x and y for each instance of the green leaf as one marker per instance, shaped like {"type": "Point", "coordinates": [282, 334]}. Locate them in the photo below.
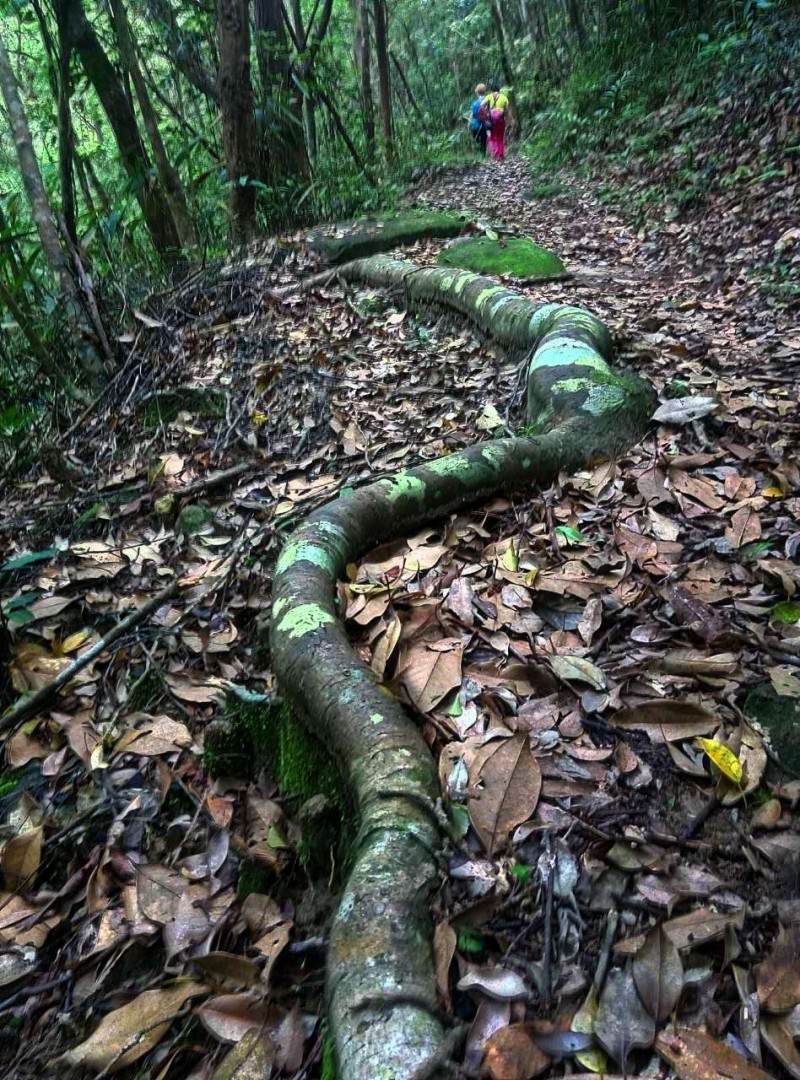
{"type": "Point", "coordinates": [572, 536]}
{"type": "Point", "coordinates": [786, 612]}
{"type": "Point", "coordinates": [756, 550]}
{"type": "Point", "coordinates": [28, 559]}
{"type": "Point", "coordinates": [469, 942]}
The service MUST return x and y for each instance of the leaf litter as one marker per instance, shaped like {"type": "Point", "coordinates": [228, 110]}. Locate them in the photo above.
{"type": "Point", "coordinates": [580, 659]}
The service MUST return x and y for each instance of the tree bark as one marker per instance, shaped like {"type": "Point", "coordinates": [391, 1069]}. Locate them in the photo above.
{"type": "Point", "coordinates": [576, 21]}
{"type": "Point", "coordinates": [499, 29]}
{"type": "Point", "coordinates": [167, 174]}
{"type": "Point", "coordinates": [56, 257]}
{"type": "Point", "coordinates": [363, 53]}
{"type": "Point", "coordinates": [380, 976]}
{"type": "Point", "coordinates": [282, 145]}
{"type": "Point", "coordinates": [119, 111]}
{"type": "Point", "coordinates": [384, 76]}
{"type": "Point", "coordinates": [238, 116]}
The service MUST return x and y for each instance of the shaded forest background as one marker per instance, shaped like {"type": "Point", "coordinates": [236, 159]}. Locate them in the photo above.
{"type": "Point", "coordinates": [139, 137]}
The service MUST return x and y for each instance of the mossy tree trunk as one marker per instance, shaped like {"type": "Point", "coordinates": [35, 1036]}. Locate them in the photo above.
{"type": "Point", "coordinates": [380, 980]}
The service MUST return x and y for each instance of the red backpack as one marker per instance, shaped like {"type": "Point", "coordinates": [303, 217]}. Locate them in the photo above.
{"type": "Point", "coordinates": [485, 114]}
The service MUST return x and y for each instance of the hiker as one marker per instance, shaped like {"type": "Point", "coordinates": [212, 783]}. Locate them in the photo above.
{"type": "Point", "coordinates": [477, 126]}
{"type": "Point", "coordinates": [497, 102]}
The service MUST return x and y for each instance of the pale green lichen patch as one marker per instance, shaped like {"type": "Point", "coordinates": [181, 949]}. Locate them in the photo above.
{"type": "Point", "coordinates": [486, 294]}
{"type": "Point", "coordinates": [376, 718]}
{"type": "Point", "coordinates": [463, 280]}
{"type": "Point", "coordinates": [565, 352]}
{"type": "Point", "coordinates": [570, 386]}
{"type": "Point", "coordinates": [403, 485]}
{"type": "Point", "coordinates": [495, 455]}
{"type": "Point", "coordinates": [299, 550]}
{"type": "Point", "coordinates": [603, 399]}
{"type": "Point", "coordinates": [542, 317]}
{"type": "Point", "coordinates": [279, 606]}
{"type": "Point", "coordinates": [452, 465]}
{"type": "Point", "coordinates": [304, 619]}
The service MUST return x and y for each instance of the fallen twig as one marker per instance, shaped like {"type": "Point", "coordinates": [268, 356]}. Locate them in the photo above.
{"type": "Point", "coordinates": [28, 707]}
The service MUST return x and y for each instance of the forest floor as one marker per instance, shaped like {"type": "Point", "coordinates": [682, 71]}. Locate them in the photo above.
{"type": "Point", "coordinates": [607, 624]}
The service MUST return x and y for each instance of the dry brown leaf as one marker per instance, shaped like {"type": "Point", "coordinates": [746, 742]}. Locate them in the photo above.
{"type": "Point", "coordinates": [696, 1055]}
{"type": "Point", "coordinates": [511, 1054]}
{"type": "Point", "coordinates": [250, 1059]}
{"type": "Point", "coordinates": [778, 976]}
{"type": "Point", "coordinates": [512, 781]}
{"type": "Point", "coordinates": [128, 1033]}
{"type": "Point", "coordinates": [431, 672]}
{"type": "Point", "coordinates": [621, 1024]}
{"type": "Point", "coordinates": [745, 528]}
{"type": "Point", "coordinates": [667, 721]}
{"type": "Point", "coordinates": [658, 974]}
{"type": "Point", "coordinates": [230, 1016]}
{"type": "Point", "coordinates": [695, 928]}
{"type": "Point", "coordinates": [779, 1033]}
{"type": "Point", "coordinates": [20, 859]}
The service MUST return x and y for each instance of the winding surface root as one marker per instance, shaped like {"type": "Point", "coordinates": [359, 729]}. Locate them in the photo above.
{"type": "Point", "coordinates": [380, 979]}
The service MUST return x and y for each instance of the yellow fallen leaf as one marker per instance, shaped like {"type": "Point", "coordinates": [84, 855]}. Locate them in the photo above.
{"type": "Point", "coordinates": [724, 758]}
{"type": "Point", "coordinates": [772, 493]}
{"type": "Point", "coordinates": [74, 641]}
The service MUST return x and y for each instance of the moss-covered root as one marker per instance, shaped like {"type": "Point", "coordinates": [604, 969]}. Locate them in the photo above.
{"type": "Point", "coordinates": [380, 979]}
{"type": "Point", "coordinates": [366, 236]}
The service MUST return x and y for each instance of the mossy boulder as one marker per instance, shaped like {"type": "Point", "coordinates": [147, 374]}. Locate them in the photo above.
{"type": "Point", "coordinates": [779, 717]}
{"type": "Point", "coordinates": [516, 256]}
{"type": "Point", "coordinates": [370, 235]}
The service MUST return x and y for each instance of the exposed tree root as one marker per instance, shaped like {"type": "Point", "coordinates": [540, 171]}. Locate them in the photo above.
{"type": "Point", "coordinates": [380, 981]}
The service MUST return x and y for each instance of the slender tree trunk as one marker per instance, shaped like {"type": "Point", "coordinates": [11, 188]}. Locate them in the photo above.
{"type": "Point", "coordinates": [384, 76]}
{"type": "Point", "coordinates": [411, 99]}
{"type": "Point", "coordinates": [66, 135]}
{"type": "Point", "coordinates": [282, 145]}
{"type": "Point", "coordinates": [186, 51]}
{"type": "Point", "coordinates": [41, 210]}
{"type": "Point", "coordinates": [364, 62]}
{"type": "Point", "coordinates": [119, 110]}
{"type": "Point", "coordinates": [168, 175]}
{"type": "Point", "coordinates": [576, 21]}
{"type": "Point", "coordinates": [32, 177]}
{"type": "Point", "coordinates": [499, 29]}
{"type": "Point", "coordinates": [238, 115]}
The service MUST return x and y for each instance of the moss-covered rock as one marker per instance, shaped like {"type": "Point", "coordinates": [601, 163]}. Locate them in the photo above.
{"type": "Point", "coordinates": [516, 256]}
{"type": "Point", "coordinates": [368, 236]}
{"type": "Point", "coordinates": [779, 716]}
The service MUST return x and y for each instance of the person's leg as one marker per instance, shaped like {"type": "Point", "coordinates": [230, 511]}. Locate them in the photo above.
{"type": "Point", "coordinates": [483, 134]}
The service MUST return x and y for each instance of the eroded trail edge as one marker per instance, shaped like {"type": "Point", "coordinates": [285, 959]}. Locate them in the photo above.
{"type": "Point", "coordinates": [380, 979]}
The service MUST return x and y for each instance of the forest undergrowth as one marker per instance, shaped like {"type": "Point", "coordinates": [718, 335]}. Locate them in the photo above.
{"type": "Point", "coordinates": [604, 658]}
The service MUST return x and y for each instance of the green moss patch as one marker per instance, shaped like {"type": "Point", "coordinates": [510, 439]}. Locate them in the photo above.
{"type": "Point", "coordinates": [516, 257]}
{"type": "Point", "coordinates": [368, 236]}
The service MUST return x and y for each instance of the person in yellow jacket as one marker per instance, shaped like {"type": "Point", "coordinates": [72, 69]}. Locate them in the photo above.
{"type": "Point", "coordinates": [498, 102]}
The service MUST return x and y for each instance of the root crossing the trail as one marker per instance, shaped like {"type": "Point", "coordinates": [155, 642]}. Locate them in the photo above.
{"type": "Point", "coordinates": [380, 981]}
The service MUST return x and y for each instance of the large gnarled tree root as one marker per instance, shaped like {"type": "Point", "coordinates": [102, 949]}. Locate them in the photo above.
{"type": "Point", "coordinates": [380, 980]}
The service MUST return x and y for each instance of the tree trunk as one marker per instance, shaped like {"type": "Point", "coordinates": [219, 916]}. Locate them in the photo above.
{"type": "Point", "coordinates": [384, 76]}
{"type": "Point", "coordinates": [411, 99]}
{"type": "Point", "coordinates": [119, 110]}
{"type": "Point", "coordinates": [363, 63]}
{"type": "Point", "coordinates": [499, 29]}
{"type": "Point", "coordinates": [238, 116]}
{"type": "Point", "coordinates": [170, 180]}
{"type": "Point", "coordinates": [576, 21]}
{"type": "Point", "coordinates": [41, 210]}
{"type": "Point", "coordinates": [282, 146]}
